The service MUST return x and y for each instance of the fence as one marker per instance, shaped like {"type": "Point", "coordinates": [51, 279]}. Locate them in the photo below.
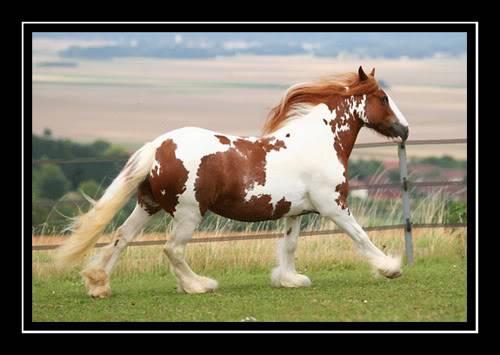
{"type": "Point", "coordinates": [404, 185]}
{"type": "Point", "coordinates": [258, 236]}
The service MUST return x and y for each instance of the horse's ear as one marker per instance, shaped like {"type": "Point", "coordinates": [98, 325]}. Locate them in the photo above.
{"type": "Point", "coordinates": [362, 75]}
{"type": "Point", "coordinates": [372, 73]}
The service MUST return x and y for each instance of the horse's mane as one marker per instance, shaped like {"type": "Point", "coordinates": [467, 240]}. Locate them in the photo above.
{"type": "Point", "coordinates": [301, 96]}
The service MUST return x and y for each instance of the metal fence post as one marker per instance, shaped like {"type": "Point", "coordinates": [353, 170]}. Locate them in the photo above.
{"type": "Point", "coordinates": [403, 173]}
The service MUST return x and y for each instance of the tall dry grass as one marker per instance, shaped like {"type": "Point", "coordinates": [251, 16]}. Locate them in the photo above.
{"type": "Point", "coordinates": [314, 252]}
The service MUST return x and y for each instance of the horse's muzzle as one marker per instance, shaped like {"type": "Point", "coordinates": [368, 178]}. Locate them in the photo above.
{"type": "Point", "coordinates": [400, 131]}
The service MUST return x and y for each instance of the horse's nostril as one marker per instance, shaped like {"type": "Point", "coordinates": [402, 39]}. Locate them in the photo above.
{"type": "Point", "coordinates": [405, 133]}
{"type": "Point", "coordinates": [400, 131]}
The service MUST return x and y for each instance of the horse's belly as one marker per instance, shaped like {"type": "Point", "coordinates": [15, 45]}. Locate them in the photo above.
{"type": "Point", "coordinates": [260, 207]}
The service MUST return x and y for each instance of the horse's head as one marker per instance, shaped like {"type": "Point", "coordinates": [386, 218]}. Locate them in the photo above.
{"type": "Point", "coordinates": [380, 111]}
{"type": "Point", "coordinates": [361, 92]}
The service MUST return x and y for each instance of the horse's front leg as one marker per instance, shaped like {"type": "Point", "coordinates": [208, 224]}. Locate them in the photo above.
{"type": "Point", "coordinates": [389, 266]}
{"type": "Point", "coordinates": [285, 275]}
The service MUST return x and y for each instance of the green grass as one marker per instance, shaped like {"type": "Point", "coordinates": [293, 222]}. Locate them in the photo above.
{"type": "Point", "coordinates": [434, 289]}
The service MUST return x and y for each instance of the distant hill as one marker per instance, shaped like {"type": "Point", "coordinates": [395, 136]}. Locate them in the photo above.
{"type": "Point", "coordinates": [210, 45]}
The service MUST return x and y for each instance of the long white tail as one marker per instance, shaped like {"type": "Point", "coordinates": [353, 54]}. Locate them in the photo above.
{"type": "Point", "coordinates": [87, 228]}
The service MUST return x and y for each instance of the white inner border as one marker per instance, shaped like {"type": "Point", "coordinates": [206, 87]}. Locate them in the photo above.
{"type": "Point", "coordinates": [254, 331]}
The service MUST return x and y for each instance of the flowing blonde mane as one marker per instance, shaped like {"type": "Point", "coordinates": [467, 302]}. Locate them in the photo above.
{"type": "Point", "coordinates": [323, 90]}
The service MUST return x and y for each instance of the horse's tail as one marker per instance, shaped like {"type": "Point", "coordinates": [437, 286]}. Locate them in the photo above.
{"type": "Point", "coordinates": [87, 227]}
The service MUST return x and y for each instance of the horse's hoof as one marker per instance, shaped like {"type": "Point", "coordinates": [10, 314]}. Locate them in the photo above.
{"type": "Point", "coordinates": [97, 282]}
{"type": "Point", "coordinates": [200, 285]}
{"type": "Point", "coordinates": [100, 292]}
{"type": "Point", "coordinates": [393, 274]}
{"type": "Point", "coordinates": [290, 279]}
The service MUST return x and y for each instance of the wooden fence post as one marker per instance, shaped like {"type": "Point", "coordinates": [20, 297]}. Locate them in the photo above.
{"type": "Point", "coordinates": [403, 173]}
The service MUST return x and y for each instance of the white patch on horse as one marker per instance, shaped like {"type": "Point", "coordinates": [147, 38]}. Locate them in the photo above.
{"type": "Point", "coordinates": [342, 128]}
{"type": "Point", "coordinates": [251, 139]}
{"type": "Point", "coordinates": [345, 117]}
{"type": "Point", "coordinates": [256, 189]}
{"type": "Point", "coordinates": [359, 107]}
{"type": "Point", "coordinates": [397, 113]}
{"type": "Point", "coordinates": [163, 192]}
{"type": "Point", "coordinates": [157, 167]}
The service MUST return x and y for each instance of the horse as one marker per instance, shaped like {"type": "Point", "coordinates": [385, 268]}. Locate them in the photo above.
{"type": "Point", "coordinates": [297, 166]}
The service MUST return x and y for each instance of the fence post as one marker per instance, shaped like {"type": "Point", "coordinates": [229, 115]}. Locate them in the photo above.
{"type": "Point", "coordinates": [403, 173]}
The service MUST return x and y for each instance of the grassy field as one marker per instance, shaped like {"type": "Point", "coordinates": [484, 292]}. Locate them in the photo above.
{"type": "Point", "coordinates": [433, 290]}
{"type": "Point", "coordinates": [344, 288]}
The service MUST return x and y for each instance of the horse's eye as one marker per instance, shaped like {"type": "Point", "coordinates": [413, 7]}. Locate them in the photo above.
{"type": "Point", "coordinates": [384, 100]}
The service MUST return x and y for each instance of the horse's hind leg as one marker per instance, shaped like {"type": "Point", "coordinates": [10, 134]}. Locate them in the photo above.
{"type": "Point", "coordinates": [98, 270]}
{"type": "Point", "coordinates": [185, 221]}
{"type": "Point", "coordinates": [285, 275]}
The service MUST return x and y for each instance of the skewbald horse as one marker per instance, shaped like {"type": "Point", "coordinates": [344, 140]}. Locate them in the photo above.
{"type": "Point", "coordinates": [298, 166]}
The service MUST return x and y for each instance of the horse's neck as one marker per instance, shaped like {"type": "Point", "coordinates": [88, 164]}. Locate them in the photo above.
{"type": "Point", "coordinates": [345, 138]}
{"type": "Point", "coordinates": [340, 125]}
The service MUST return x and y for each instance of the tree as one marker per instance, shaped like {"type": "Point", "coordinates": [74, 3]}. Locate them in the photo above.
{"type": "Point", "coordinates": [35, 186]}
{"type": "Point", "coordinates": [114, 151]}
{"type": "Point", "coordinates": [47, 133]}
{"type": "Point", "coordinates": [51, 181]}
{"type": "Point", "coordinates": [100, 146]}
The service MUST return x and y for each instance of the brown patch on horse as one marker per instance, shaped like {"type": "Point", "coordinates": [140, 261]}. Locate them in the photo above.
{"type": "Point", "coordinates": [287, 135]}
{"type": "Point", "coordinates": [343, 190]}
{"type": "Point", "coordinates": [346, 140]}
{"type": "Point", "coordinates": [381, 115]}
{"type": "Point", "coordinates": [282, 207]}
{"type": "Point", "coordinates": [289, 231]}
{"type": "Point", "coordinates": [343, 145]}
{"type": "Point", "coordinates": [145, 198]}
{"type": "Point", "coordinates": [169, 181]}
{"type": "Point", "coordinates": [223, 178]}
{"type": "Point", "coordinates": [223, 139]}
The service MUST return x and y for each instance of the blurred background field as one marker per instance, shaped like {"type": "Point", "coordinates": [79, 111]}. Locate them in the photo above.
{"type": "Point", "coordinates": [128, 88]}
{"type": "Point", "coordinates": [96, 97]}
{"type": "Point", "coordinates": [99, 96]}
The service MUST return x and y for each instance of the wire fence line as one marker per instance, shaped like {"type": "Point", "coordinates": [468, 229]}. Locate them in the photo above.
{"type": "Point", "coordinates": [414, 142]}
{"type": "Point", "coordinates": [360, 145]}
{"type": "Point", "coordinates": [274, 235]}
